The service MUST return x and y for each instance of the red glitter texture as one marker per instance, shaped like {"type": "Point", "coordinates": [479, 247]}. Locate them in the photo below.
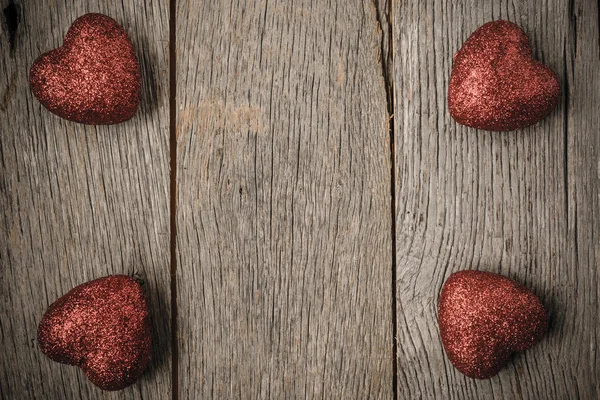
{"type": "Point", "coordinates": [94, 78]}
{"type": "Point", "coordinates": [103, 327]}
{"type": "Point", "coordinates": [484, 318]}
{"type": "Point", "coordinates": [496, 85]}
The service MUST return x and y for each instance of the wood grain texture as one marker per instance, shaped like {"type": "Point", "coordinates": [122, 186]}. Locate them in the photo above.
{"type": "Point", "coordinates": [284, 245]}
{"type": "Point", "coordinates": [80, 202]}
{"type": "Point", "coordinates": [284, 239]}
{"type": "Point", "coordinates": [524, 204]}
{"type": "Point", "coordinates": [577, 339]}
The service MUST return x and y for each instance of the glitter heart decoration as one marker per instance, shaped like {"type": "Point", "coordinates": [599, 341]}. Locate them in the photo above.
{"type": "Point", "coordinates": [484, 318]}
{"type": "Point", "coordinates": [103, 327]}
{"type": "Point", "coordinates": [94, 78]}
{"type": "Point", "coordinates": [496, 85]}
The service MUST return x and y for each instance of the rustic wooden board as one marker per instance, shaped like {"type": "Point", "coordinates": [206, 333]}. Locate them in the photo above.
{"type": "Point", "coordinates": [80, 202]}
{"type": "Point", "coordinates": [284, 215]}
{"type": "Point", "coordinates": [524, 203]}
{"type": "Point", "coordinates": [284, 238]}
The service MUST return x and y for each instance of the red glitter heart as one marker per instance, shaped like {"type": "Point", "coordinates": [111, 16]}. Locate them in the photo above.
{"type": "Point", "coordinates": [496, 85]}
{"type": "Point", "coordinates": [484, 318]}
{"type": "Point", "coordinates": [103, 327]}
{"type": "Point", "coordinates": [94, 78]}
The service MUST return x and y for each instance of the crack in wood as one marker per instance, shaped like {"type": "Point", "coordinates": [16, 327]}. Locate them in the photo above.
{"type": "Point", "coordinates": [387, 71]}
{"type": "Point", "coordinates": [11, 23]}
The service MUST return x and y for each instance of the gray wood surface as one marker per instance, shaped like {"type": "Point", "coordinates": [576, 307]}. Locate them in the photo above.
{"type": "Point", "coordinates": [284, 235]}
{"type": "Point", "coordinates": [79, 202]}
{"type": "Point", "coordinates": [285, 253]}
{"type": "Point", "coordinates": [525, 204]}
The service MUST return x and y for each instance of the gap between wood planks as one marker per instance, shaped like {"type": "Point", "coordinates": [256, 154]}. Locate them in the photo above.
{"type": "Point", "coordinates": [387, 72]}
{"type": "Point", "coordinates": [173, 195]}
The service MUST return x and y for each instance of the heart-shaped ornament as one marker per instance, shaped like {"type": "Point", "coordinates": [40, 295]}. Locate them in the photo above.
{"type": "Point", "coordinates": [496, 85]}
{"type": "Point", "coordinates": [484, 318]}
{"type": "Point", "coordinates": [103, 327]}
{"type": "Point", "coordinates": [94, 78]}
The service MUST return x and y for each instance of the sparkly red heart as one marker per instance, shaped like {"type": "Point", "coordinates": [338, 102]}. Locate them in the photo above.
{"type": "Point", "coordinates": [484, 318]}
{"type": "Point", "coordinates": [94, 78]}
{"type": "Point", "coordinates": [103, 327]}
{"type": "Point", "coordinates": [496, 85]}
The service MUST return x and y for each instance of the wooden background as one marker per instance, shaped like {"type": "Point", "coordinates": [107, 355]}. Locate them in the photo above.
{"type": "Point", "coordinates": [294, 193]}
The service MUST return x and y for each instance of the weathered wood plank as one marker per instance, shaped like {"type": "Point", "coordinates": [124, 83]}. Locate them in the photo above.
{"type": "Point", "coordinates": [578, 326]}
{"type": "Point", "coordinates": [524, 203]}
{"type": "Point", "coordinates": [79, 202]}
{"type": "Point", "coordinates": [284, 239]}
